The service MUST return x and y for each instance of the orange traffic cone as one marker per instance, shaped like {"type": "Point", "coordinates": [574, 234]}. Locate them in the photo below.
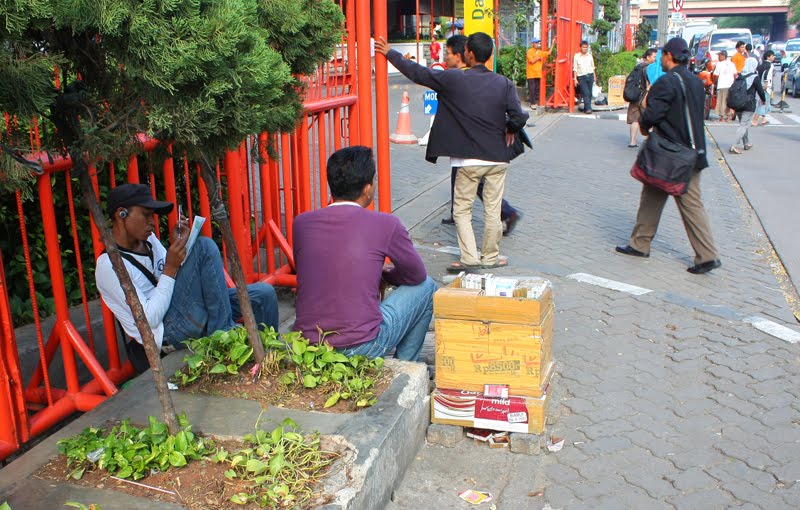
{"type": "Point", "coordinates": [403, 133]}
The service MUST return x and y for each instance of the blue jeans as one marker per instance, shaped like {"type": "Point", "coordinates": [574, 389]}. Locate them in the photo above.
{"type": "Point", "coordinates": [407, 313]}
{"type": "Point", "coordinates": [506, 209]}
{"type": "Point", "coordinates": [202, 302]}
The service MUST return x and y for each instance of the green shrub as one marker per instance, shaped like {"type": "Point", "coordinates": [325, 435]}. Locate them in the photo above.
{"type": "Point", "coordinates": [611, 64]}
{"type": "Point", "coordinates": [511, 64]}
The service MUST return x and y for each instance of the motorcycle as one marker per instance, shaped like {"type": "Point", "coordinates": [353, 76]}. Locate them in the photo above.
{"type": "Point", "coordinates": [705, 71]}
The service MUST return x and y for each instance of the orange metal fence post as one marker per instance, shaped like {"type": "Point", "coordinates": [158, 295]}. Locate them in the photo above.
{"type": "Point", "coordinates": [382, 114]}
{"type": "Point", "coordinates": [13, 422]}
{"type": "Point", "coordinates": [364, 73]}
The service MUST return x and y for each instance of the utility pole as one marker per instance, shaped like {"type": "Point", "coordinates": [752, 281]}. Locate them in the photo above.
{"type": "Point", "coordinates": [663, 17]}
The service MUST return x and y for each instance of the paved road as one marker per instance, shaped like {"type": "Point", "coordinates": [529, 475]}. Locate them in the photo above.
{"type": "Point", "coordinates": [671, 399]}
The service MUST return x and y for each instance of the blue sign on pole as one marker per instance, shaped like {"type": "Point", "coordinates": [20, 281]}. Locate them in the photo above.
{"type": "Point", "coordinates": [430, 102]}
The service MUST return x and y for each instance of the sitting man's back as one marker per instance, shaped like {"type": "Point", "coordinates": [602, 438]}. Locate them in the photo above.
{"type": "Point", "coordinates": [340, 252]}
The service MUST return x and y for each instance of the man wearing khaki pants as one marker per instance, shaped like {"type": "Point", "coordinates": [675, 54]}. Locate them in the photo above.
{"type": "Point", "coordinates": [479, 112]}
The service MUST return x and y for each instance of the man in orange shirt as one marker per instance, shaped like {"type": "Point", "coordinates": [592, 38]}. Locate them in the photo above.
{"type": "Point", "coordinates": [740, 56]}
{"type": "Point", "coordinates": [533, 70]}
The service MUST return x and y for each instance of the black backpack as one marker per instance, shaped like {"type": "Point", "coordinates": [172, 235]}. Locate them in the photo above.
{"type": "Point", "coordinates": [634, 86]}
{"type": "Point", "coordinates": [739, 97]}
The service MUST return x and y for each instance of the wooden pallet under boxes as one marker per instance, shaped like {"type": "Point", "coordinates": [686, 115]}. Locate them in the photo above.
{"type": "Point", "coordinates": [493, 340]}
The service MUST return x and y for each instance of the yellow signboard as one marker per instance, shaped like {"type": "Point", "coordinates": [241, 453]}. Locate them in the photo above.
{"type": "Point", "coordinates": [479, 17]}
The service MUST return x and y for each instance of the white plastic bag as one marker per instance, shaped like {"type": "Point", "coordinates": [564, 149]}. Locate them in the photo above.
{"type": "Point", "coordinates": [596, 91]}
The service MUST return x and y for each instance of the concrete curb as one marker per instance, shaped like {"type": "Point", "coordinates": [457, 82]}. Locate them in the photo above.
{"type": "Point", "coordinates": [381, 441]}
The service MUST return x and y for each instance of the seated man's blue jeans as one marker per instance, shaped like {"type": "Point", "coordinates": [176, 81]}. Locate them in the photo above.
{"type": "Point", "coordinates": [202, 302]}
{"type": "Point", "coordinates": [407, 313]}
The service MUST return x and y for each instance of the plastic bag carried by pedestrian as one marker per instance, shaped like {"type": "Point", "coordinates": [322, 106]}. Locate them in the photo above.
{"type": "Point", "coordinates": [596, 91]}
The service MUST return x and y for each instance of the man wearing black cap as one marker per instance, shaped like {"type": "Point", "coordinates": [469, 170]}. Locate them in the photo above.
{"type": "Point", "coordinates": [671, 123]}
{"type": "Point", "coordinates": [183, 295]}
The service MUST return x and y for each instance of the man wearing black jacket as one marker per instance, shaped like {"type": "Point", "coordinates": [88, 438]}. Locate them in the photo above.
{"type": "Point", "coordinates": [471, 126]}
{"type": "Point", "coordinates": [665, 113]}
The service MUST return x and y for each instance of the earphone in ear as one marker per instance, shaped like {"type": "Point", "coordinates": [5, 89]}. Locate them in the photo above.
{"type": "Point", "coordinates": [123, 213]}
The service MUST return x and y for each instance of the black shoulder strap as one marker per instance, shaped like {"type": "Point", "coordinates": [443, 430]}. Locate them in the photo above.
{"type": "Point", "coordinates": [146, 272]}
{"type": "Point", "coordinates": [138, 265]}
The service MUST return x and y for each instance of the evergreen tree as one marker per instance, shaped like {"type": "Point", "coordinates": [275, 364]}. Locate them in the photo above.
{"type": "Point", "coordinates": [603, 26]}
{"type": "Point", "coordinates": [199, 74]}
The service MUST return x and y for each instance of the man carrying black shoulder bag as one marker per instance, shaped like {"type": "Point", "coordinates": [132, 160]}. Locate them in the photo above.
{"type": "Point", "coordinates": [680, 130]}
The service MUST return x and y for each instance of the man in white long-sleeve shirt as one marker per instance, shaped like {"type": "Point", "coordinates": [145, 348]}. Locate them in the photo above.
{"type": "Point", "coordinates": [181, 300]}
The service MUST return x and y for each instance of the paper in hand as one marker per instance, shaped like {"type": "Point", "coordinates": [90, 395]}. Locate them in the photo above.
{"type": "Point", "coordinates": [197, 226]}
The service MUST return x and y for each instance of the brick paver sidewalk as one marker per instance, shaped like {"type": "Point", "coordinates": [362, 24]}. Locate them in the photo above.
{"type": "Point", "coordinates": [666, 399]}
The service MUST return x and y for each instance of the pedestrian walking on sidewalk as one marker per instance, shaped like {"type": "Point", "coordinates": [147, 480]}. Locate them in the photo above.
{"type": "Point", "coordinates": [635, 107]}
{"type": "Point", "coordinates": [672, 124]}
{"type": "Point", "coordinates": [509, 216]}
{"type": "Point", "coordinates": [478, 115]}
{"type": "Point", "coordinates": [584, 75]}
{"type": "Point", "coordinates": [747, 113]}
{"type": "Point", "coordinates": [764, 72]}
{"type": "Point", "coordinates": [725, 71]}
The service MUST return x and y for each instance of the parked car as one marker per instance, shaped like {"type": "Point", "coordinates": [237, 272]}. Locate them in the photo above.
{"type": "Point", "coordinates": [792, 73]}
{"type": "Point", "coordinates": [722, 39]}
{"type": "Point", "coordinates": [791, 50]}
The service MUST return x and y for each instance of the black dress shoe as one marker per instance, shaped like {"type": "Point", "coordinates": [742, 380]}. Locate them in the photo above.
{"type": "Point", "coordinates": [629, 250]}
{"type": "Point", "coordinates": [705, 267]}
{"type": "Point", "coordinates": [511, 222]}
{"type": "Point", "coordinates": [448, 221]}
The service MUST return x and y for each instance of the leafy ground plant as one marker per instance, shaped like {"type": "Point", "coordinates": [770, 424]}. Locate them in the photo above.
{"type": "Point", "coordinates": [281, 466]}
{"type": "Point", "coordinates": [291, 358]}
{"type": "Point", "coordinates": [131, 453]}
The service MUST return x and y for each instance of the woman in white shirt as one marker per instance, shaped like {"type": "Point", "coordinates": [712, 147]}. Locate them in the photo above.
{"type": "Point", "coordinates": [725, 71]}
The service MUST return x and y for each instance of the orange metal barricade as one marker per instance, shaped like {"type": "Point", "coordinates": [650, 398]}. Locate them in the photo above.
{"type": "Point", "coordinates": [264, 194]}
{"type": "Point", "coordinates": [570, 19]}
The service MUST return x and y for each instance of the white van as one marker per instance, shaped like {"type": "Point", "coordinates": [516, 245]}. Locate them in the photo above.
{"type": "Point", "coordinates": [697, 28]}
{"type": "Point", "coordinates": [722, 39]}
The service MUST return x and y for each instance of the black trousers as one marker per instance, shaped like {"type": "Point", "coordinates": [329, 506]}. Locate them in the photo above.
{"type": "Point", "coordinates": [533, 90]}
{"type": "Point", "coordinates": [585, 84]}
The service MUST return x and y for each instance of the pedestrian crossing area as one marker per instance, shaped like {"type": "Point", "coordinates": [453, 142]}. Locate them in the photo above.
{"type": "Point", "coordinates": [774, 119]}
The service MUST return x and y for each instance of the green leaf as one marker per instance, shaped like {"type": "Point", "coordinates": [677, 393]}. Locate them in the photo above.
{"type": "Point", "coordinates": [287, 378]}
{"type": "Point", "coordinates": [277, 435]}
{"type": "Point", "coordinates": [125, 472]}
{"type": "Point", "coordinates": [230, 474]}
{"type": "Point", "coordinates": [276, 463]}
{"type": "Point", "coordinates": [183, 421]}
{"type": "Point", "coordinates": [361, 403]}
{"type": "Point", "coordinates": [232, 368]}
{"type": "Point", "coordinates": [256, 466]}
{"type": "Point", "coordinates": [309, 381]}
{"type": "Point", "coordinates": [333, 399]}
{"type": "Point", "coordinates": [77, 474]}
{"type": "Point", "coordinates": [177, 459]}
{"type": "Point", "coordinates": [181, 442]}
{"type": "Point", "coordinates": [240, 498]}
{"type": "Point", "coordinates": [299, 347]}
{"type": "Point", "coordinates": [219, 368]}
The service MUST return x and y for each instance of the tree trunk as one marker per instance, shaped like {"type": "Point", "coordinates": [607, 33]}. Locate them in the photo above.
{"type": "Point", "coordinates": [150, 347]}
{"type": "Point", "coordinates": [219, 213]}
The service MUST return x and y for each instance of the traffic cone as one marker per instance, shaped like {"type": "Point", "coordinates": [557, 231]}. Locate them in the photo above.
{"type": "Point", "coordinates": [403, 133]}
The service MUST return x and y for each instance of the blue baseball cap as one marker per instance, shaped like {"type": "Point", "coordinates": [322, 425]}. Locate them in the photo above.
{"type": "Point", "coordinates": [536, 39]}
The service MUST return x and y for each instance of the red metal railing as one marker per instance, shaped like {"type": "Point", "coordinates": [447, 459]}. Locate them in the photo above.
{"type": "Point", "coordinates": [264, 194]}
{"type": "Point", "coordinates": [571, 19]}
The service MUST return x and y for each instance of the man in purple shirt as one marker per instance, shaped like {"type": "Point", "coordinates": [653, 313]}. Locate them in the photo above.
{"type": "Point", "coordinates": [340, 251]}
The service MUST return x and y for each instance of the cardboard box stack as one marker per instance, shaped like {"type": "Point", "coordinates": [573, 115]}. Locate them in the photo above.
{"type": "Point", "coordinates": [493, 353]}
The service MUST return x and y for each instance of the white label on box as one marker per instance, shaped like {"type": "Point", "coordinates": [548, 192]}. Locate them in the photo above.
{"type": "Point", "coordinates": [517, 417]}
